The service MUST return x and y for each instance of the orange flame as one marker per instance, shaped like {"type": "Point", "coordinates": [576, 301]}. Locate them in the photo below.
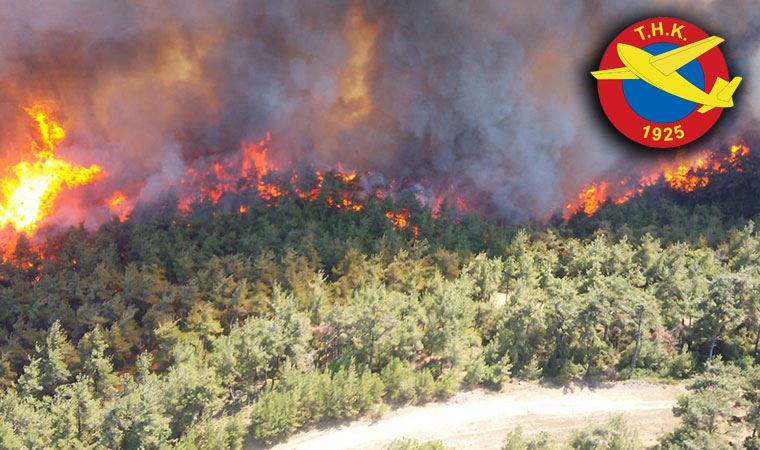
{"type": "Point", "coordinates": [345, 203]}
{"type": "Point", "coordinates": [313, 192]}
{"type": "Point", "coordinates": [251, 172]}
{"type": "Point", "coordinates": [29, 191]}
{"type": "Point", "coordinates": [120, 206]}
{"type": "Point", "coordinates": [401, 220]}
{"type": "Point", "coordinates": [685, 176]}
{"type": "Point", "coordinates": [591, 198]}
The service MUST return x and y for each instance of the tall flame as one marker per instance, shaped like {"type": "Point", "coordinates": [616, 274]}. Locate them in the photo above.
{"type": "Point", "coordinates": [29, 189]}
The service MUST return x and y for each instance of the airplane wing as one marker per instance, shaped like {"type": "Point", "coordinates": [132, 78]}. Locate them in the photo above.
{"type": "Point", "coordinates": [620, 73]}
{"type": "Point", "coordinates": [673, 60]}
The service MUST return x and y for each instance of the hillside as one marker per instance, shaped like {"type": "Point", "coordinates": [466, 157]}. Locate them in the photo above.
{"type": "Point", "coordinates": [216, 327]}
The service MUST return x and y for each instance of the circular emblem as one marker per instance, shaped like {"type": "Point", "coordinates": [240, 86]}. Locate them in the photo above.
{"type": "Point", "coordinates": [663, 82]}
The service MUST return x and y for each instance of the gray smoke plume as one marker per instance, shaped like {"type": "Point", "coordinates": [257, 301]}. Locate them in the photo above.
{"type": "Point", "coordinates": [488, 98]}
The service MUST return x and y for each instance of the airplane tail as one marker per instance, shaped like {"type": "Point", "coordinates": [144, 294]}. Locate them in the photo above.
{"type": "Point", "coordinates": [723, 91]}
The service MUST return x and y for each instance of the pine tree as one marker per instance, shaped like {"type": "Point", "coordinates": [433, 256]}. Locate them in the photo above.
{"type": "Point", "coordinates": [138, 418]}
{"type": "Point", "coordinates": [76, 414]}
{"type": "Point", "coordinates": [721, 309]}
{"type": "Point", "coordinates": [29, 383]}
{"type": "Point", "coordinates": [449, 323]}
{"type": "Point", "coordinates": [53, 365]}
{"type": "Point", "coordinates": [752, 418]}
{"type": "Point", "coordinates": [24, 422]}
{"type": "Point", "coordinates": [96, 365]}
{"type": "Point", "coordinates": [372, 328]}
{"type": "Point", "coordinates": [707, 412]}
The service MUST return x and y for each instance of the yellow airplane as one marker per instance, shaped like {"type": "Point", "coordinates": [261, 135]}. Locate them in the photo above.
{"type": "Point", "coordinates": [660, 72]}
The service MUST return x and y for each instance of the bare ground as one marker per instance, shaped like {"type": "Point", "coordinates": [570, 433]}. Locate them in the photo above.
{"type": "Point", "coordinates": [481, 420]}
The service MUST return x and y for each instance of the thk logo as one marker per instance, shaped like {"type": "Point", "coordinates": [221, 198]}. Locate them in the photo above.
{"type": "Point", "coordinates": [663, 82]}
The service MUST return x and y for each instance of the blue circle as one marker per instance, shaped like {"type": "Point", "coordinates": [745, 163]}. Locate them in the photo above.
{"type": "Point", "coordinates": [659, 106]}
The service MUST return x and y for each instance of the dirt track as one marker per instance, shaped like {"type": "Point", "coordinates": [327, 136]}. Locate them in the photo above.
{"type": "Point", "coordinates": [481, 420]}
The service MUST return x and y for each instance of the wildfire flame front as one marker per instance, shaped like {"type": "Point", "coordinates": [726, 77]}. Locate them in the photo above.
{"type": "Point", "coordinates": [28, 190]}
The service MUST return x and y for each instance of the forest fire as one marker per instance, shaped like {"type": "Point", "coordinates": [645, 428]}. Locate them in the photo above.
{"type": "Point", "coordinates": [254, 176]}
{"type": "Point", "coordinates": [120, 206]}
{"type": "Point", "coordinates": [401, 220]}
{"type": "Point", "coordinates": [28, 189]}
{"type": "Point", "coordinates": [345, 203]}
{"type": "Point", "coordinates": [684, 176]}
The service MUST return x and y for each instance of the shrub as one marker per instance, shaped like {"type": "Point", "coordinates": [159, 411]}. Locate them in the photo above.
{"type": "Point", "coordinates": [613, 435]}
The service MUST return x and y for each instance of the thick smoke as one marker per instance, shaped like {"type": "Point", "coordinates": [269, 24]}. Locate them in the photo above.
{"type": "Point", "coordinates": [488, 98]}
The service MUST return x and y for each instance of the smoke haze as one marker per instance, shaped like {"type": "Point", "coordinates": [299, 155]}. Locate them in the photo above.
{"type": "Point", "coordinates": [489, 98]}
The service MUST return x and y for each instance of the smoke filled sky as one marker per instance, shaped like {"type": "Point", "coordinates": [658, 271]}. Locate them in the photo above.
{"type": "Point", "coordinates": [490, 97]}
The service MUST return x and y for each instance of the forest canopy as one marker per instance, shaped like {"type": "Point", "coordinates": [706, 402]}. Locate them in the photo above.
{"type": "Point", "coordinates": [209, 328]}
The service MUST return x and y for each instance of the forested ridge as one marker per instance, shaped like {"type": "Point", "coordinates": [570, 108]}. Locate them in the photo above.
{"type": "Point", "coordinates": [207, 329]}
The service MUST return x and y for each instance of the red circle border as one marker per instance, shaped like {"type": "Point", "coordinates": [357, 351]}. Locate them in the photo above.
{"type": "Point", "coordinates": [616, 107]}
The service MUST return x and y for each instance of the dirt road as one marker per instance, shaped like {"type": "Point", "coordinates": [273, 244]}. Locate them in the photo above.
{"type": "Point", "coordinates": [481, 420]}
